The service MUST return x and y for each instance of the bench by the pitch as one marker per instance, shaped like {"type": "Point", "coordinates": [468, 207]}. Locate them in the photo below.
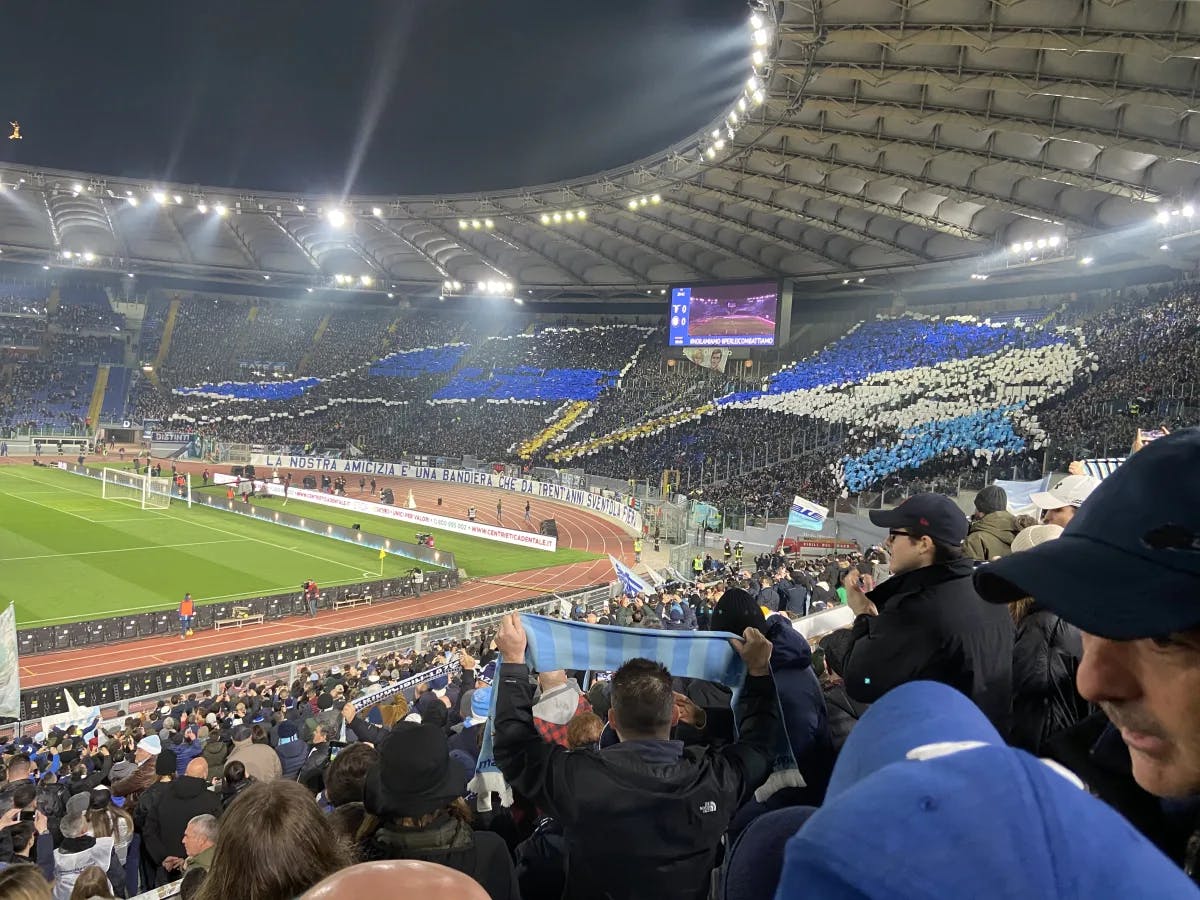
{"type": "Point", "coordinates": [241, 616]}
{"type": "Point", "coordinates": [349, 602]}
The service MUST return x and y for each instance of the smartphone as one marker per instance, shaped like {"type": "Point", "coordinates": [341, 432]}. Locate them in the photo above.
{"type": "Point", "coordinates": [1148, 436]}
{"type": "Point", "coordinates": [27, 815]}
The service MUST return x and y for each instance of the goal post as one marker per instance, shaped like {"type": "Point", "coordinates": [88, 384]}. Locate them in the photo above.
{"type": "Point", "coordinates": [147, 492]}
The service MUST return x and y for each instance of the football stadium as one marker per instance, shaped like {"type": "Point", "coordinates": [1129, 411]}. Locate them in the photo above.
{"type": "Point", "coordinates": [625, 451]}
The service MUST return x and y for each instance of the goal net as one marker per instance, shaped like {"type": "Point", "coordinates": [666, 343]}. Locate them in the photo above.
{"type": "Point", "coordinates": [148, 492]}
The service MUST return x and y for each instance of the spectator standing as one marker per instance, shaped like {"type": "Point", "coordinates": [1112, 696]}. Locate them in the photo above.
{"type": "Point", "coordinates": [672, 804]}
{"type": "Point", "coordinates": [560, 701]}
{"type": "Point", "coordinates": [413, 799]}
{"type": "Point", "coordinates": [251, 749]}
{"type": "Point", "coordinates": [1126, 572]}
{"type": "Point", "coordinates": [79, 849]}
{"type": "Point", "coordinates": [187, 610]}
{"type": "Point", "coordinates": [182, 801]}
{"type": "Point", "coordinates": [993, 527]}
{"type": "Point", "coordinates": [1059, 504]}
{"type": "Point", "coordinates": [926, 622]}
{"type": "Point", "coordinates": [131, 786]}
{"type": "Point", "coordinates": [290, 749]}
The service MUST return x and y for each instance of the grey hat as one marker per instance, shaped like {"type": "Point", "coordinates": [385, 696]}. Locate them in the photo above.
{"type": "Point", "coordinates": [991, 499]}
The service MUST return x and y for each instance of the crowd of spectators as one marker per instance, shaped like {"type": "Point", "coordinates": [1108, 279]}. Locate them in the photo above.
{"type": "Point", "coordinates": [968, 701]}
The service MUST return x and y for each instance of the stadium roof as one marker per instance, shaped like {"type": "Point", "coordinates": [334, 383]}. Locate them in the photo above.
{"type": "Point", "coordinates": [873, 136]}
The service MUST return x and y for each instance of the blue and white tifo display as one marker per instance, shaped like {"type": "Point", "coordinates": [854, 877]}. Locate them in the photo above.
{"type": "Point", "coordinates": [741, 314]}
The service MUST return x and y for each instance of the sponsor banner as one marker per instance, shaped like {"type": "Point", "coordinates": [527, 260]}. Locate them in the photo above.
{"type": "Point", "coordinates": [380, 694]}
{"type": "Point", "coordinates": [168, 437]}
{"type": "Point", "coordinates": [827, 544]}
{"type": "Point", "coordinates": [615, 507]}
{"type": "Point", "coordinates": [10, 676]}
{"type": "Point", "coordinates": [416, 517]}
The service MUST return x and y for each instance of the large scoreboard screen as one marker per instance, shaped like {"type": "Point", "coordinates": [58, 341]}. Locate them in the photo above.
{"type": "Point", "coordinates": [732, 314]}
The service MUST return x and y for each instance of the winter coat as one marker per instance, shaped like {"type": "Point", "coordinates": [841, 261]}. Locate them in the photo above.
{"type": "Point", "coordinates": [131, 786]}
{"type": "Point", "coordinates": [259, 759]}
{"type": "Point", "coordinates": [803, 704]}
{"type": "Point", "coordinates": [991, 537]}
{"type": "Point", "coordinates": [146, 802]}
{"type": "Point", "coordinates": [185, 753]}
{"type": "Point", "coordinates": [183, 799]}
{"type": "Point", "coordinates": [673, 803]}
{"type": "Point", "coordinates": [1046, 655]}
{"type": "Point", "coordinates": [291, 757]}
{"type": "Point", "coordinates": [844, 713]}
{"type": "Point", "coordinates": [933, 626]}
{"type": "Point", "coordinates": [74, 855]}
{"type": "Point", "coordinates": [480, 854]}
{"type": "Point", "coordinates": [215, 753]}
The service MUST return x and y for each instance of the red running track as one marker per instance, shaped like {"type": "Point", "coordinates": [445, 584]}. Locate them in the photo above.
{"type": "Point", "coordinates": [577, 529]}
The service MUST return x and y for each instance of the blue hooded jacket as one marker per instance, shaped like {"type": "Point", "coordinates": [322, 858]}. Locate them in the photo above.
{"type": "Point", "coordinates": [803, 702]}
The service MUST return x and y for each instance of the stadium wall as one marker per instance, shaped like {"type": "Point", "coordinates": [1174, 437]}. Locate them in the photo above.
{"type": "Point", "coordinates": [616, 507]}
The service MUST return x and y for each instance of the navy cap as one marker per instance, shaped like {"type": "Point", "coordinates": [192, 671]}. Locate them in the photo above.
{"type": "Point", "coordinates": [935, 515]}
{"type": "Point", "coordinates": [949, 811]}
{"type": "Point", "coordinates": [1127, 566]}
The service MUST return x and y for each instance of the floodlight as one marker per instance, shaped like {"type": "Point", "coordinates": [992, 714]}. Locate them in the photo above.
{"type": "Point", "coordinates": [178, 199]}
{"type": "Point", "coordinates": [758, 57]}
{"type": "Point", "coordinates": [202, 206]}
{"type": "Point", "coordinates": [310, 290]}
{"type": "Point", "coordinates": [89, 256]}
{"type": "Point", "coordinates": [1086, 261]}
{"type": "Point", "coordinates": [47, 268]}
{"type": "Point", "coordinates": [77, 187]}
{"type": "Point", "coordinates": [752, 84]}
{"type": "Point", "coordinates": [220, 209]}
{"type": "Point", "coordinates": [582, 213]}
{"type": "Point", "coordinates": [1163, 217]}
{"type": "Point", "coordinates": [508, 286]}
{"type": "Point", "coordinates": [489, 224]}
{"type": "Point", "coordinates": [377, 212]}
{"type": "Point", "coordinates": [463, 224]}
{"type": "Point", "coordinates": [755, 20]}
{"type": "Point", "coordinates": [1188, 211]}
{"type": "Point", "coordinates": [557, 217]}
{"type": "Point", "coordinates": [366, 280]}
{"type": "Point", "coordinates": [458, 285]}
{"type": "Point", "coordinates": [759, 97]}
{"type": "Point", "coordinates": [741, 104]}
{"type": "Point", "coordinates": [482, 286]}
{"type": "Point", "coordinates": [720, 144]}
{"type": "Point", "coordinates": [633, 204]}
{"type": "Point", "coordinates": [336, 217]}
{"type": "Point", "coordinates": [845, 281]}
{"type": "Point", "coordinates": [1055, 240]}
{"type": "Point", "coordinates": [643, 201]}
{"type": "Point", "coordinates": [710, 152]}
{"type": "Point", "coordinates": [300, 207]}
{"type": "Point", "coordinates": [1041, 243]}
{"type": "Point", "coordinates": [518, 301]}
{"type": "Point", "coordinates": [132, 201]}
{"type": "Point", "coordinates": [1028, 245]}
{"type": "Point", "coordinates": [545, 219]}
{"type": "Point", "coordinates": [266, 278]}
{"type": "Point", "coordinates": [569, 215]}
{"type": "Point", "coordinates": [861, 280]}
{"type": "Point", "coordinates": [733, 119]}
{"type": "Point", "coordinates": [1164, 246]}
{"type": "Point", "coordinates": [66, 254]}
{"type": "Point", "coordinates": [760, 37]}
{"type": "Point", "coordinates": [476, 224]}
{"type": "Point", "coordinates": [1015, 248]}
{"type": "Point", "coordinates": [160, 197]}
{"type": "Point", "coordinates": [657, 198]}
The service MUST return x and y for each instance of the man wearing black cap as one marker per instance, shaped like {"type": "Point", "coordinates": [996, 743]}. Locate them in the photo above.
{"type": "Point", "coordinates": [1126, 572]}
{"type": "Point", "coordinates": [926, 622]}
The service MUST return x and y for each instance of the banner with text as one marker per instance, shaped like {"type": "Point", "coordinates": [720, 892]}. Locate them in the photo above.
{"type": "Point", "coordinates": [379, 694]}
{"type": "Point", "coordinates": [10, 675]}
{"type": "Point", "coordinates": [416, 517]}
{"type": "Point", "coordinates": [615, 507]}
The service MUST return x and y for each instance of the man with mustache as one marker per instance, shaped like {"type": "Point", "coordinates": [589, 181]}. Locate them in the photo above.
{"type": "Point", "coordinates": [1126, 571]}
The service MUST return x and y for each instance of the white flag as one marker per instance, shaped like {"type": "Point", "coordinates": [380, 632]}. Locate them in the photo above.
{"type": "Point", "coordinates": [10, 671]}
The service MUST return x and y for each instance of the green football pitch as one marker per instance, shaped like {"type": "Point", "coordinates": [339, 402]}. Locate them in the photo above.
{"type": "Point", "coordinates": [67, 555]}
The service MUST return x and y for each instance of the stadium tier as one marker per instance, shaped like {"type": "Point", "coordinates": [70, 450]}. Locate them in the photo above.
{"type": "Point", "coordinates": [809, 508]}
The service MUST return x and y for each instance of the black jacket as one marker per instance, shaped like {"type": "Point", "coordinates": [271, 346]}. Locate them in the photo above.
{"type": "Point", "coordinates": [933, 626]}
{"type": "Point", "coordinates": [1046, 655]}
{"type": "Point", "coordinates": [671, 803]}
{"type": "Point", "coordinates": [183, 799]}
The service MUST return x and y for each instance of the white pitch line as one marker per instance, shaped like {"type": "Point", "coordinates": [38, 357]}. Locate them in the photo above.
{"type": "Point", "coordinates": [120, 550]}
{"type": "Point", "coordinates": [51, 508]}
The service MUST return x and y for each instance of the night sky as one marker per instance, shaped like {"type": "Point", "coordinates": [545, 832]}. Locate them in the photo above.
{"type": "Point", "coordinates": [402, 96]}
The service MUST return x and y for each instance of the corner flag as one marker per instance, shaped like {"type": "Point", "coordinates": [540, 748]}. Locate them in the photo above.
{"type": "Point", "coordinates": [630, 582]}
{"type": "Point", "coordinates": [806, 514]}
{"type": "Point", "coordinates": [382, 553]}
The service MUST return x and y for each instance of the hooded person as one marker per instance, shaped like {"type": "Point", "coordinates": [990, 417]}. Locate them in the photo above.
{"type": "Point", "coordinates": [290, 749]}
{"type": "Point", "coordinates": [993, 527]}
{"type": "Point", "coordinates": [183, 800]}
{"type": "Point", "coordinates": [800, 697]}
{"type": "Point", "coordinates": [260, 760]}
{"type": "Point", "coordinates": [415, 810]}
{"type": "Point", "coordinates": [955, 813]}
{"type": "Point", "coordinates": [215, 751]}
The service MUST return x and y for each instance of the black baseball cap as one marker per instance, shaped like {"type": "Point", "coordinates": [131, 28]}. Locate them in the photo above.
{"type": "Point", "coordinates": [1127, 566]}
{"type": "Point", "coordinates": [935, 515]}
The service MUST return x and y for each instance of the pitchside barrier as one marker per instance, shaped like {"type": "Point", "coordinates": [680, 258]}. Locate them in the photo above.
{"type": "Point", "coordinates": [143, 689]}
{"type": "Point", "coordinates": [610, 504]}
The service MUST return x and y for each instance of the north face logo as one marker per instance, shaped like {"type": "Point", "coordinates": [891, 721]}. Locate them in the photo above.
{"type": "Point", "coordinates": [709, 807]}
